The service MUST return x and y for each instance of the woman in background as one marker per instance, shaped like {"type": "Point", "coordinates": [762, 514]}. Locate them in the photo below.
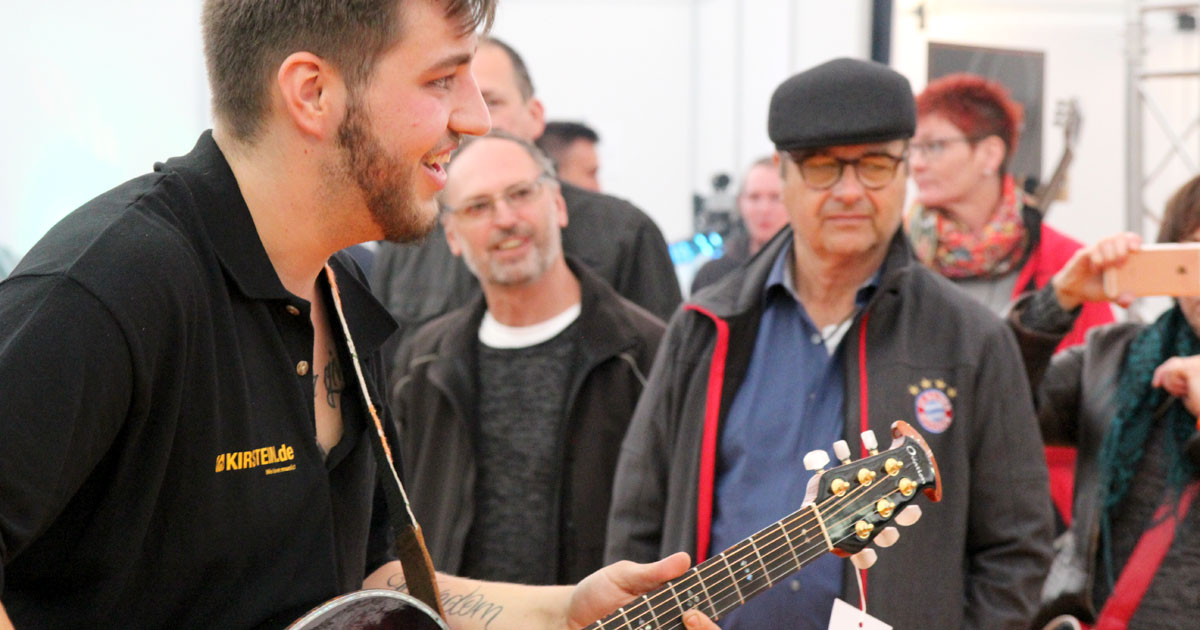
{"type": "Point", "coordinates": [971, 222]}
{"type": "Point", "coordinates": [1128, 399]}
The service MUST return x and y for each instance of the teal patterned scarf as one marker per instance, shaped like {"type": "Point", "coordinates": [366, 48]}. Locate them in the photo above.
{"type": "Point", "coordinates": [1137, 404]}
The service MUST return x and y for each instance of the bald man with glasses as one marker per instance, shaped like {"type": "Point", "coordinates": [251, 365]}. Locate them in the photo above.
{"type": "Point", "coordinates": [512, 408]}
{"type": "Point", "coordinates": [831, 329]}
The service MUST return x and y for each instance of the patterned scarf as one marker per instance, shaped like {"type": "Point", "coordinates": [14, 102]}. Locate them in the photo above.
{"type": "Point", "coordinates": [1137, 405]}
{"type": "Point", "coordinates": [953, 250]}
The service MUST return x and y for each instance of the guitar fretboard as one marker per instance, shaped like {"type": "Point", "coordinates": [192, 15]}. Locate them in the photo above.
{"type": "Point", "coordinates": [727, 580]}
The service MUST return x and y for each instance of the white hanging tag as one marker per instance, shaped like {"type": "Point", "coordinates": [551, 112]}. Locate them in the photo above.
{"type": "Point", "coordinates": [847, 617]}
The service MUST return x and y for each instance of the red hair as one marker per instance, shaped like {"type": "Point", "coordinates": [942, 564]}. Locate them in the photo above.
{"type": "Point", "coordinates": [977, 106]}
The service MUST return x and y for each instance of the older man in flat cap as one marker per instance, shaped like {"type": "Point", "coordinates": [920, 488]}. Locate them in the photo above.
{"type": "Point", "coordinates": [831, 329]}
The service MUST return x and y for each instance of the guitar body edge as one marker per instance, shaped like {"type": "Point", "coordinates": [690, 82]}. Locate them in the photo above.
{"type": "Point", "coordinates": [372, 609]}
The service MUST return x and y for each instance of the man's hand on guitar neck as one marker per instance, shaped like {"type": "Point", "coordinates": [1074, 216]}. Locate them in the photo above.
{"type": "Point", "coordinates": [477, 605]}
{"type": "Point", "coordinates": [616, 584]}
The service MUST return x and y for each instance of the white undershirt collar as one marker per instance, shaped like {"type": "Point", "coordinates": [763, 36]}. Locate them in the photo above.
{"type": "Point", "coordinates": [496, 335]}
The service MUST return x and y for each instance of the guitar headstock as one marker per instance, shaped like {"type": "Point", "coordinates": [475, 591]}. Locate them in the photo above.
{"type": "Point", "coordinates": [1068, 116]}
{"type": "Point", "coordinates": [857, 499]}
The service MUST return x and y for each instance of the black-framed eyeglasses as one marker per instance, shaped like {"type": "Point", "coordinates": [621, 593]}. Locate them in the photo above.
{"type": "Point", "coordinates": [933, 149]}
{"type": "Point", "coordinates": [873, 170]}
{"type": "Point", "coordinates": [519, 196]}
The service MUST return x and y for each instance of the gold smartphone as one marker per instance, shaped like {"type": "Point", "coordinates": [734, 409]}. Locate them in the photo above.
{"type": "Point", "coordinates": [1171, 269]}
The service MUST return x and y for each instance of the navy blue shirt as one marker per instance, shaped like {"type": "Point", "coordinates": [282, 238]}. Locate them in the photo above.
{"type": "Point", "coordinates": [790, 403]}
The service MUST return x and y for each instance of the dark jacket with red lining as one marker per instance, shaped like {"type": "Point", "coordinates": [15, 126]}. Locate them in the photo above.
{"type": "Point", "coordinates": [977, 559]}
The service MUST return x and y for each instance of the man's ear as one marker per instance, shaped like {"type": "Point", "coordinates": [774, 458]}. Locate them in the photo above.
{"type": "Point", "coordinates": [312, 94]}
{"type": "Point", "coordinates": [538, 112]}
{"type": "Point", "coordinates": [560, 208]}
{"type": "Point", "coordinates": [451, 234]}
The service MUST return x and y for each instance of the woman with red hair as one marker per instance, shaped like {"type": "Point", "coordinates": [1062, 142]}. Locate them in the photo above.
{"type": "Point", "coordinates": [971, 222]}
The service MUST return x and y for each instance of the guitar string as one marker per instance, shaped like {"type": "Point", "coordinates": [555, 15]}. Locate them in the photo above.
{"type": "Point", "coordinates": [772, 541]}
{"type": "Point", "coordinates": [717, 600]}
{"type": "Point", "coordinates": [835, 507]}
{"type": "Point", "coordinates": [730, 595]}
{"type": "Point", "coordinates": [728, 599]}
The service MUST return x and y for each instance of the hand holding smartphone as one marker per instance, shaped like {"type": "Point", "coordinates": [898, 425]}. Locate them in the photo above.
{"type": "Point", "coordinates": [1171, 269]}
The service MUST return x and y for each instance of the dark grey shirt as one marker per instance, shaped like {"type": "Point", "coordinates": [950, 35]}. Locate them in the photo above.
{"type": "Point", "coordinates": [521, 396]}
{"type": "Point", "coordinates": [1173, 597]}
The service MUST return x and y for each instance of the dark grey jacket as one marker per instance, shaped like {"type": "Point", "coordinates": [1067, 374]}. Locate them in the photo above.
{"type": "Point", "coordinates": [977, 559]}
{"type": "Point", "coordinates": [434, 404]}
{"type": "Point", "coordinates": [418, 282]}
{"type": "Point", "coordinates": [1075, 405]}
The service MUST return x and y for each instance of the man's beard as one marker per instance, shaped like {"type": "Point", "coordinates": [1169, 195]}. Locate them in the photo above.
{"type": "Point", "coordinates": [516, 273]}
{"type": "Point", "coordinates": [387, 187]}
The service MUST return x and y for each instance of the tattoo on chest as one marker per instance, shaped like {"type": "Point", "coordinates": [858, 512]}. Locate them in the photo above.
{"type": "Point", "coordinates": [333, 380]}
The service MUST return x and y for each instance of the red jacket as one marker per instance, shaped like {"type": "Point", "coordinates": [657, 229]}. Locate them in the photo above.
{"type": "Point", "coordinates": [1053, 251]}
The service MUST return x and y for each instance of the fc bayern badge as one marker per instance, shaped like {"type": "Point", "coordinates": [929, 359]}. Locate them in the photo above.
{"type": "Point", "coordinates": [933, 405]}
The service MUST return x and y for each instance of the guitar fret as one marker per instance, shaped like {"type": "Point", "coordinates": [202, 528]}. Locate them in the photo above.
{"type": "Point", "coordinates": [766, 572]}
{"type": "Point", "coordinates": [687, 584]}
{"type": "Point", "coordinates": [653, 613]}
{"type": "Point", "coordinates": [791, 547]}
{"type": "Point", "coordinates": [704, 587]}
{"type": "Point", "coordinates": [821, 524]}
{"type": "Point", "coordinates": [733, 578]}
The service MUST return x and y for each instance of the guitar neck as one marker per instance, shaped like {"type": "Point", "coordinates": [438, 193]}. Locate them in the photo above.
{"type": "Point", "coordinates": [1046, 194]}
{"type": "Point", "coordinates": [848, 506]}
{"type": "Point", "coordinates": [727, 580]}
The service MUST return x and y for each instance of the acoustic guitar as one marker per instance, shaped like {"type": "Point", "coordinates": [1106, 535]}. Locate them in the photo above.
{"type": "Point", "coordinates": [845, 510]}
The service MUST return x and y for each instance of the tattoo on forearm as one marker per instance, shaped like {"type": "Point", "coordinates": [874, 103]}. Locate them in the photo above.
{"type": "Point", "coordinates": [335, 383]}
{"type": "Point", "coordinates": [472, 605]}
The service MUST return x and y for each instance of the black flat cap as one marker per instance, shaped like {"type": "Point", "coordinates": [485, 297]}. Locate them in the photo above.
{"type": "Point", "coordinates": [844, 101]}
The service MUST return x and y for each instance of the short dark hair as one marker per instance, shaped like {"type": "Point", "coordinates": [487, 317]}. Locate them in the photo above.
{"type": "Point", "coordinates": [1181, 218]}
{"type": "Point", "coordinates": [559, 135]}
{"type": "Point", "coordinates": [520, 70]}
{"type": "Point", "coordinates": [246, 40]}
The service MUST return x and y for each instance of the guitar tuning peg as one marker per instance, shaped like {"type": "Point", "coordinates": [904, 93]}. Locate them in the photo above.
{"type": "Point", "coordinates": [887, 537]}
{"type": "Point", "coordinates": [869, 442]}
{"type": "Point", "coordinates": [908, 515]}
{"type": "Point", "coordinates": [841, 450]}
{"type": "Point", "coordinates": [816, 460]}
{"type": "Point", "coordinates": [864, 559]}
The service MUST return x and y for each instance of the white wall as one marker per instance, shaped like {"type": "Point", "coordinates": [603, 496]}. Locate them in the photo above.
{"type": "Point", "coordinates": [95, 93]}
{"type": "Point", "coordinates": [677, 88]}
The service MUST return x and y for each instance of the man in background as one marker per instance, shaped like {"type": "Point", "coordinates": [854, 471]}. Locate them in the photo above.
{"type": "Point", "coordinates": [512, 407]}
{"type": "Point", "coordinates": [572, 146]}
{"type": "Point", "coordinates": [760, 206]}
{"type": "Point", "coordinates": [612, 237]}
{"type": "Point", "coordinates": [835, 328]}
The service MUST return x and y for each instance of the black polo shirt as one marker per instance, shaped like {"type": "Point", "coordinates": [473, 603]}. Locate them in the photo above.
{"type": "Point", "coordinates": [158, 456]}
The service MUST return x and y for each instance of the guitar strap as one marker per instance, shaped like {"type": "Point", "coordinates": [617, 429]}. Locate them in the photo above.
{"type": "Point", "coordinates": [1143, 563]}
{"type": "Point", "coordinates": [410, 542]}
